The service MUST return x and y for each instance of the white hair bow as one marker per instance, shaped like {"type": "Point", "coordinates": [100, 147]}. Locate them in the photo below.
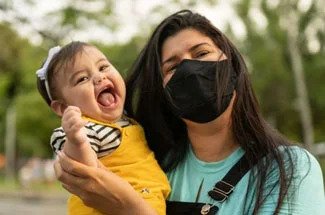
{"type": "Point", "coordinates": [42, 72]}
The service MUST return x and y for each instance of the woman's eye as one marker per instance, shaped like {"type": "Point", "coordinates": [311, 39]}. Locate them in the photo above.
{"type": "Point", "coordinates": [171, 70]}
{"type": "Point", "coordinates": [202, 53]}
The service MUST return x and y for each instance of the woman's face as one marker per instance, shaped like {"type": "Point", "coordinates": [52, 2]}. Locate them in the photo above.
{"type": "Point", "coordinates": [187, 44]}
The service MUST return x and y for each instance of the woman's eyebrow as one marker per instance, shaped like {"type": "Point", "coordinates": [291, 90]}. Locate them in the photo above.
{"type": "Point", "coordinates": [198, 45]}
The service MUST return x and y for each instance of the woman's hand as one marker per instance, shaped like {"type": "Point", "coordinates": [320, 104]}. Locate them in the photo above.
{"type": "Point", "coordinates": [99, 188]}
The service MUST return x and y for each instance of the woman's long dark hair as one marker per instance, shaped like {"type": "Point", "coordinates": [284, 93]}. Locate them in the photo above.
{"type": "Point", "coordinates": [167, 134]}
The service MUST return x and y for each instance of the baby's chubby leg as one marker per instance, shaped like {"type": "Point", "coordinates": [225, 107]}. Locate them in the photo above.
{"type": "Point", "coordinates": [77, 145]}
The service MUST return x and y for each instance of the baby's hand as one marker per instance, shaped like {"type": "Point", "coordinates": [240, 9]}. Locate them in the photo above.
{"type": "Point", "coordinates": [73, 125]}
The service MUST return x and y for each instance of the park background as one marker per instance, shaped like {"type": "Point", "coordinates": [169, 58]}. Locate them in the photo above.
{"type": "Point", "coordinates": [282, 41]}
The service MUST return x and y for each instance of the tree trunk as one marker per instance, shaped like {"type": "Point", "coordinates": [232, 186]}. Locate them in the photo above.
{"type": "Point", "coordinates": [301, 89]}
{"type": "Point", "coordinates": [10, 143]}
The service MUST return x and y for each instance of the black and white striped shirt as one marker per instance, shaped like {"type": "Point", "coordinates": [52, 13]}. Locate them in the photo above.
{"type": "Point", "coordinates": [103, 139]}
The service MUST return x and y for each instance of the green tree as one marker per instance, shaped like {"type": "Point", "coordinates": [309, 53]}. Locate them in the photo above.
{"type": "Point", "coordinates": [10, 76]}
{"type": "Point", "coordinates": [272, 66]}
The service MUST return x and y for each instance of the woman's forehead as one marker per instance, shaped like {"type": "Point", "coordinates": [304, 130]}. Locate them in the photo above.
{"type": "Point", "coordinates": [183, 41]}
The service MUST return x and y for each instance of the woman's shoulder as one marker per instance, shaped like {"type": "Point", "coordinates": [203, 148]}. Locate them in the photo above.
{"type": "Point", "coordinates": [307, 181]}
{"type": "Point", "coordinates": [299, 156]}
{"type": "Point", "coordinates": [296, 163]}
{"type": "Point", "coordinates": [302, 164]}
{"type": "Point", "coordinates": [304, 180]}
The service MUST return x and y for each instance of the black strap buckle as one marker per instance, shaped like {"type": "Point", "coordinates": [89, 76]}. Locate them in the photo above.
{"type": "Point", "coordinates": [221, 191]}
{"type": "Point", "coordinates": [189, 208]}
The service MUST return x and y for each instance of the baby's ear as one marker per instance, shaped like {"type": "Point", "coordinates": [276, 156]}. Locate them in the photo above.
{"type": "Point", "coordinates": [58, 107]}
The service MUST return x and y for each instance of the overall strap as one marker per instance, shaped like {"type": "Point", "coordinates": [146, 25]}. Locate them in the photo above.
{"type": "Point", "coordinates": [223, 188]}
{"type": "Point", "coordinates": [220, 192]}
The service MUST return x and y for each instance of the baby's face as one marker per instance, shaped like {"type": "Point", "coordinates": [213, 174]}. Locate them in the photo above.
{"type": "Point", "coordinates": [94, 85]}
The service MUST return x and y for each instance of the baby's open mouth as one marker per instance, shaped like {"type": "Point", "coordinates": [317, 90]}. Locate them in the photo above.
{"type": "Point", "coordinates": [106, 97]}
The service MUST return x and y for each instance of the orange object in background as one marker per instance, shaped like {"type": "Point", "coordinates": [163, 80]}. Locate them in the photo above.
{"type": "Point", "coordinates": [2, 161]}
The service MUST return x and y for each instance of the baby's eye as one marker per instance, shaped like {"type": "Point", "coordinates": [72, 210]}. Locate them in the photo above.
{"type": "Point", "coordinates": [104, 68]}
{"type": "Point", "coordinates": [82, 79]}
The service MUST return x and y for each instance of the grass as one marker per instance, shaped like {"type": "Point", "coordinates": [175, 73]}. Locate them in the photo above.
{"type": "Point", "coordinates": [36, 186]}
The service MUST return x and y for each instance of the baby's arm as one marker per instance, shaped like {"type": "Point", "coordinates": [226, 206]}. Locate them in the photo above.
{"type": "Point", "coordinates": [77, 143]}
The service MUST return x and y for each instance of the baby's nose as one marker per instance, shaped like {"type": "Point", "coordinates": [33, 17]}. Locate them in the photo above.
{"type": "Point", "coordinates": [98, 78]}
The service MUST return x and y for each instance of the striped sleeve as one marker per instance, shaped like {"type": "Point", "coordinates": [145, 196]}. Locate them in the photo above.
{"type": "Point", "coordinates": [57, 139]}
{"type": "Point", "coordinates": [105, 139]}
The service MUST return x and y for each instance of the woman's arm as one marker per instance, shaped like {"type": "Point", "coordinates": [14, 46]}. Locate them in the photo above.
{"type": "Point", "coordinates": [99, 188]}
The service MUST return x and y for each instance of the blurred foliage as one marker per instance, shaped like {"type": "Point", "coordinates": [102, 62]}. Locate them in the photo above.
{"type": "Point", "coordinates": [123, 55]}
{"type": "Point", "coordinates": [272, 76]}
{"type": "Point", "coordinates": [265, 50]}
{"type": "Point", "coordinates": [11, 69]}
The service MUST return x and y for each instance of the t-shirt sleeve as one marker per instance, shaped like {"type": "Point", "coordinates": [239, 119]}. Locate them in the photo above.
{"type": "Point", "coordinates": [306, 191]}
{"type": "Point", "coordinates": [94, 139]}
{"type": "Point", "coordinates": [58, 138]}
{"type": "Point", "coordinates": [103, 139]}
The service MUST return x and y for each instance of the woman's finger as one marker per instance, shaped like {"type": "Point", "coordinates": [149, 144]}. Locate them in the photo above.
{"type": "Point", "coordinates": [74, 190]}
{"type": "Point", "coordinates": [57, 168]}
{"type": "Point", "coordinates": [73, 167]}
{"type": "Point", "coordinates": [88, 198]}
{"type": "Point", "coordinates": [67, 178]}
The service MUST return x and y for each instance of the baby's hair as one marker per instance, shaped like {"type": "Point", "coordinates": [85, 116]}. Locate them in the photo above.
{"type": "Point", "coordinates": [60, 61]}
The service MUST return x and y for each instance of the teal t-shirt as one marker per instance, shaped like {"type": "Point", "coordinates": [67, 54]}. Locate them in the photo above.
{"type": "Point", "coordinates": [307, 188]}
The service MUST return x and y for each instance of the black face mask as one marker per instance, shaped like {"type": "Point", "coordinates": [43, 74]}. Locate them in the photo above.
{"type": "Point", "coordinates": [191, 92]}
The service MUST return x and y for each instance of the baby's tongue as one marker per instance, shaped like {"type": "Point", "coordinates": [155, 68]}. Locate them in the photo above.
{"type": "Point", "coordinates": [106, 99]}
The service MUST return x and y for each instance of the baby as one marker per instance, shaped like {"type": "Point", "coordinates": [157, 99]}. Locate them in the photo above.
{"type": "Point", "coordinates": [83, 87]}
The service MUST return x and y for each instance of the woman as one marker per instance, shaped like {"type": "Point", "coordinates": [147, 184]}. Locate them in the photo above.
{"type": "Point", "coordinates": [201, 118]}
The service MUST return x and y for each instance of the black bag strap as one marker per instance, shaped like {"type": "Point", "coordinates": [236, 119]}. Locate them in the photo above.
{"type": "Point", "coordinates": [220, 192]}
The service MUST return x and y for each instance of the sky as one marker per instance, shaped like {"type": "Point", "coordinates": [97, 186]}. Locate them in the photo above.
{"type": "Point", "coordinates": [131, 15]}
{"type": "Point", "coordinates": [132, 18]}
